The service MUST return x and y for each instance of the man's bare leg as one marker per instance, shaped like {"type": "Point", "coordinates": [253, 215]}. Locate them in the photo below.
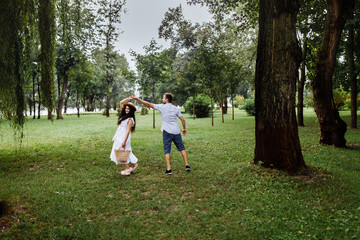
{"type": "Point", "coordinates": [167, 159]}
{"type": "Point", "coordinates": [184, 155]}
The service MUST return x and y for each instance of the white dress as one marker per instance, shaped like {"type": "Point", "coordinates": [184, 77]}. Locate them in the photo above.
{"type": "Point", "coordinates": [119, 139]}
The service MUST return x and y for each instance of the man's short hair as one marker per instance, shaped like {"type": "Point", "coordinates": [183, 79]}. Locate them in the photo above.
{"type": "Point", "coordinates": [169, 97]}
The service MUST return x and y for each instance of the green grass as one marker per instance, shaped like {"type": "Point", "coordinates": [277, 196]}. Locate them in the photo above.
{"type": "Point", "coordinates": [61, 184]}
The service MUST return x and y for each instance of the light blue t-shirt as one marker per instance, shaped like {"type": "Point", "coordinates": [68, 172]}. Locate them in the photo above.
{"type": "Point", "coordinates": [169, 114]}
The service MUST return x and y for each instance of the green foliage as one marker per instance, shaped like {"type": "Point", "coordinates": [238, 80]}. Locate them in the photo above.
{"type": "Point", "coordinates": [152, 68]}
{"type": "Point", "coordinates": [144, 111]}
{"type": "Point", "coordinates": [202, 106]}
{"type": "Point", "coordinates": [309, 101]}
{"type": "Point", "coordinates": [342, 98]}
{"type": "Point", "coordinates": [16, 40]}
{"type": "Point", "coordinates": [47, 29]}
{"type": "Point", "coordinates": [249, 106]}
{"type": "Point", "coordinates": [239, 101]}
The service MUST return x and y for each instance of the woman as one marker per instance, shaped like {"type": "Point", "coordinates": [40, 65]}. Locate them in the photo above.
{"type": "Point", "coordinates": [122, 137]}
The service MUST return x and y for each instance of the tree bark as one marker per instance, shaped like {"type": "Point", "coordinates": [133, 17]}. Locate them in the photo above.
{"type": "Point", "coordinates": [221, 106]}
{"type": "Point", "coordinates": [332, 127]}
{"type": "Point", "coordinates": [61, 98]}
{"type": "Point", "coordinates": [194, 107]}
{"type": "Point", "coordinates": [66, 101]}
{"type": "Point", "coordinates": [33, 95]}
{"type": "Point", "coordinates": [39, 97]}
{"type": "Point", "coordinates": [107, 109]}
{"type": "Point", "coordinates": [278, 60]}
{"type": "Point", "coordinates": [232, 106]}
{"type": "Point", "coordinates": [352, 76]}
{"type": "Point", "coordinates": [300, 105]}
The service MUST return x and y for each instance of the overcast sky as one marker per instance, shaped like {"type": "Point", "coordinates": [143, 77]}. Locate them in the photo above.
{"type": "Point", "coordinates": [143, 19]}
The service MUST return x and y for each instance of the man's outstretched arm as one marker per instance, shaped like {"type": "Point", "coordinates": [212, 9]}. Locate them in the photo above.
{"type": "Point", "coordinates": [148, 104]}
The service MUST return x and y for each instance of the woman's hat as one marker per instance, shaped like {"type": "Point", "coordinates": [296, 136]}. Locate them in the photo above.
{"type": "Point", "coordinates": [130, 104]}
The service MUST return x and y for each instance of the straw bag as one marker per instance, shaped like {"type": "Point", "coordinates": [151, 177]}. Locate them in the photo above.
{"type": "Point", "coordinates": [122, 155]}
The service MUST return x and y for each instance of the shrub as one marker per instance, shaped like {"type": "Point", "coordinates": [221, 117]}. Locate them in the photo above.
{"type": "Point", "coordinates": [309, 101]}
{"type": "Point", "coordinates": [249, 106]}
{"type": "Point", "coordinates": [202, 106]}
{"type": "Point", "coordinates": [239, 101]}
{"type": "Point", "coordinates": [341, 98]}
{"type": "Point", "coordinates": [144, 111]}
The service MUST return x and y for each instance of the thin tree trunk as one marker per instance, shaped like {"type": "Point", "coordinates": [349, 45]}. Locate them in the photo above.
{"type": "Point", "coordinates": [49, 114]}
{"type": "Point", "coordinates": [107, 109]}
{"type": "Point", "coordinates": [352, 75]}
{"type": "Point", "coordinates": [61, 98]}
{"type": "Point", "coordinates": [92, 105]}
{"type": "Point", "coordinates": [33, 95]}
{"type": "Point", "coordinates": [300, 105]}
{"type": "Point", "coordinates": [232, 106]}
{"type": "Point", "coordinates": [225, 103]}
{"type": "Point", "coordinates": [66, 101]}
{"type": "Point", "coordinates": [221, 106]}
{"type": "Point", "coordinates": [77, 104]}
{"type": "Point", "coordinates": [332, 127]}
{"type": "Point", "coordinates": [278, 60]}
{"type": "Point", "coordinates": [194, 107]}
{"type": "Point", "coordinates": [212, 110]}
{"type": "Point", "coordinates": [39, 98]}
{"type": "Point", "coordinates": [153, 96]}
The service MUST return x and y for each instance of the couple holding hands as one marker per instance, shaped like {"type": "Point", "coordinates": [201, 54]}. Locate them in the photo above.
{"type": "Point", "coordinates": [169, 128]}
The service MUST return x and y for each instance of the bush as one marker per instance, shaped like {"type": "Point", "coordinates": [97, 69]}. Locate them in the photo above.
{"type": "Point", "coordinates": [342, 98]}
{"type": "Point", "coordinates": [249, 106]}
{"type": "Point", "coordinates": [239, 101]}
{"type": "Point", "coordinates": [309, 101]}
{"type": "Point", "coordinates": [144, 111]}
{"type": "Point", "coordinates": [202, 106]}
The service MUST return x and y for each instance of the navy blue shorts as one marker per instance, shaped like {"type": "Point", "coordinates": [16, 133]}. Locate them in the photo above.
{"type": "Point", "coordinates": [168, 138]}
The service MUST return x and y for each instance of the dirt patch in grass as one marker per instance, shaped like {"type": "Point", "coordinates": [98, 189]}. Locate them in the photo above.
{"type": "Point", "coordinates": [8, 214]}
{"type": "Point", "coordinates": [311, 173]}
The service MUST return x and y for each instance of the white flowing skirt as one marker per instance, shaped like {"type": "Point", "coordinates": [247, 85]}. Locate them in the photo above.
{"type": "Point", "coordinates": [118, 140]}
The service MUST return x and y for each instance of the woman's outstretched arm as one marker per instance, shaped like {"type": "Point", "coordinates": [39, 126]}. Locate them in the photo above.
{"type": "Point", "coordinates": [148, 104]}
{"type": "Point", "coordinates": [122, 102]}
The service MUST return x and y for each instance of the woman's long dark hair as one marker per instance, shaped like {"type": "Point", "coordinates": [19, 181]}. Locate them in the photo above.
{"type": "Point", "coordinates": [122, 116]}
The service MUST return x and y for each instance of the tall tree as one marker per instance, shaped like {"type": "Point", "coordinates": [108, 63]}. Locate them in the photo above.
{"type": "Point", "coordinates": [151, 67]}
{"type": "Point", "coordinates": [47, 29]}
{"type": "Point", "coordinates": [109, 16]}
{"type": "Point", "coordinates": [332, 127]}
{"type": "Point", "coordinates": [278, 59]}
{"type": "Point", "coordinates": [17, 21]}
{"type": "Point", "coordinates": [352, 43]}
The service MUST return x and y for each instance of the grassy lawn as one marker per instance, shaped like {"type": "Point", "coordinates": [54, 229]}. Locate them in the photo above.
{"type": "Point", "coordinates": [61, 184]}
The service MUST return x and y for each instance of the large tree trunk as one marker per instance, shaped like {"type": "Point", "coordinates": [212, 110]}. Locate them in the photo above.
{"type": "Point", "coordinates": [61, 98]}
{"type": "Point", "coordinates": [332, 127]}
{"type": "Point", "coordinates": [352, 75]}
{"type": "Point", "coordinates": [278, 60]}
{"type": "Point", "coordinates": [300, 105]}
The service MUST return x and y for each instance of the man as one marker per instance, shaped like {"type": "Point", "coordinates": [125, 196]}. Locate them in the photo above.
{"type": "Point", "coordinates": [170, 128]}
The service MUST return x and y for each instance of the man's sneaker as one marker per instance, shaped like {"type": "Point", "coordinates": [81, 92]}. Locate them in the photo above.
{"type": "Point", "coordinates": [187, 168]}
{"type": "Point", "coordinates": [126, 172]}
{"type": "Point", "coordinates": [133, 168]}
{"type": "Point", "coordinates": [168, 172]}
